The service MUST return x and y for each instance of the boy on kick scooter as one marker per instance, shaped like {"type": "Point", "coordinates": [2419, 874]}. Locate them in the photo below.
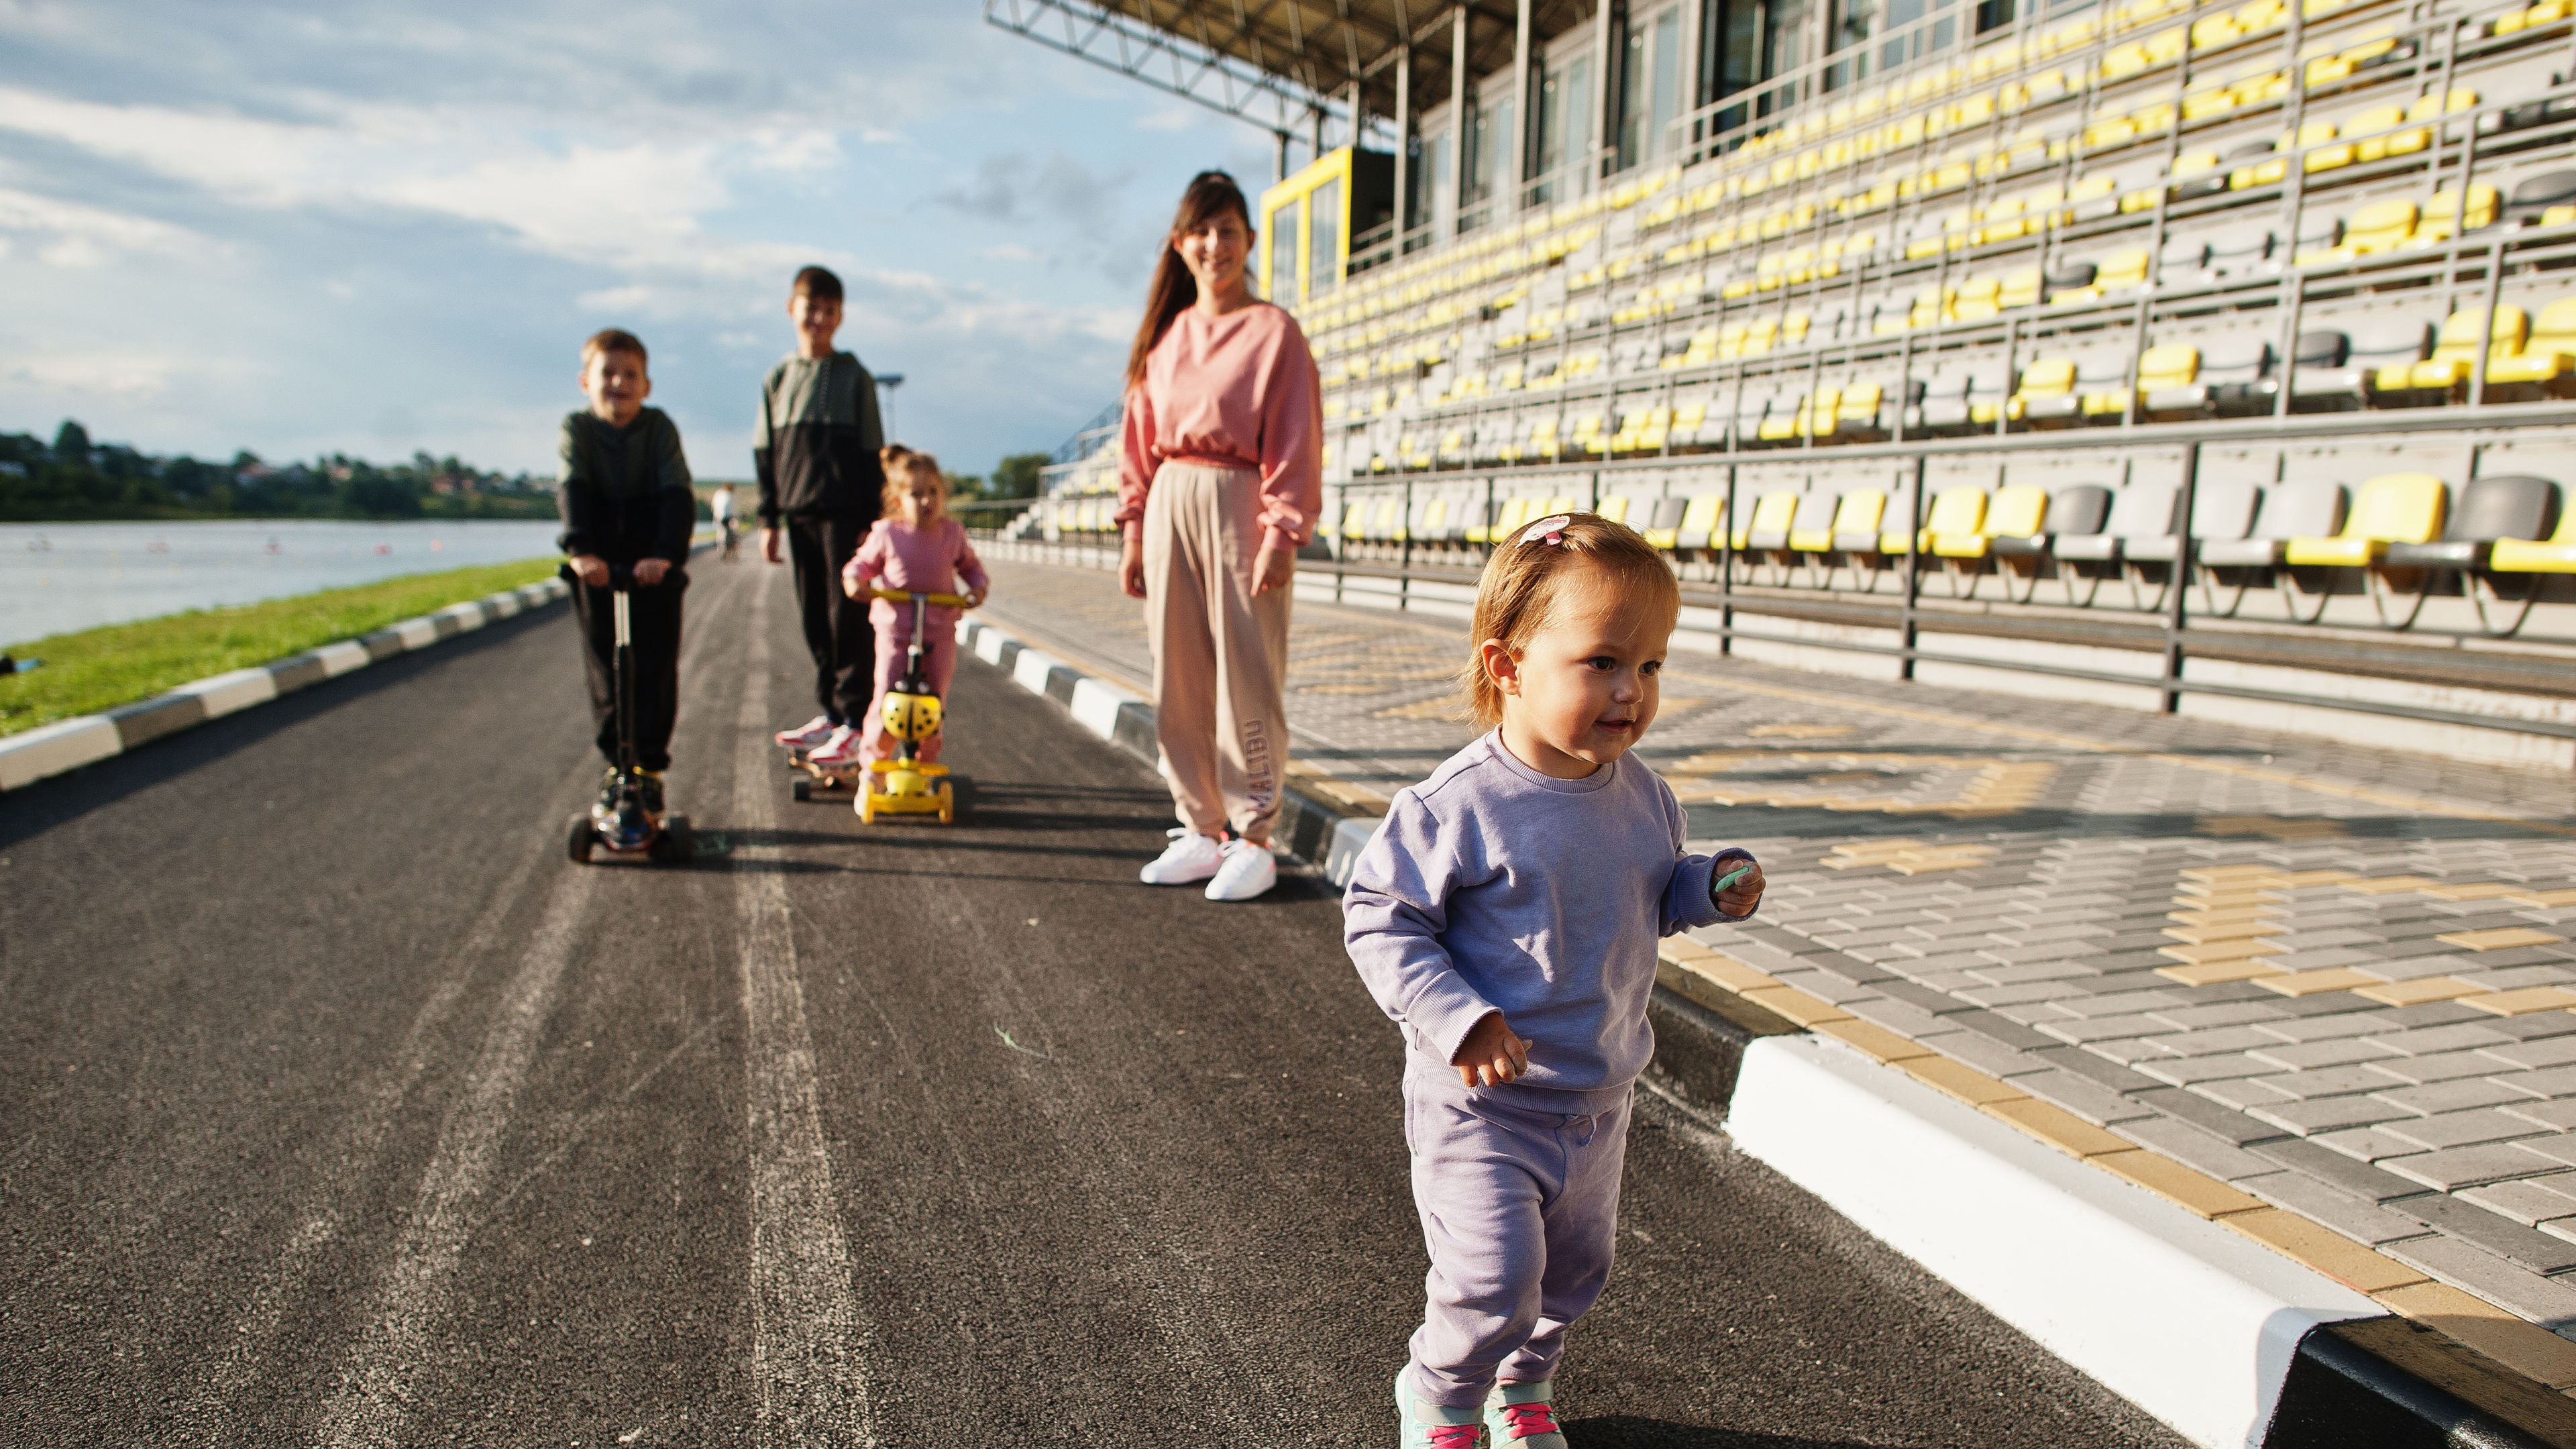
{"type": "Point", "coordinates": [627, 513]}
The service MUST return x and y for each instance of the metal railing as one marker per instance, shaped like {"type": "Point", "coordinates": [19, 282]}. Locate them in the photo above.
{"type": "Point", "coordinates": [2173, 640]}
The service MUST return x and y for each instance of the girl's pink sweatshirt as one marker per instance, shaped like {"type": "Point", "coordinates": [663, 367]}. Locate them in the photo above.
{"type": "Point", "coordinates": [920, 560]}
{"type": "Point", "coordinates": [1236, 391]}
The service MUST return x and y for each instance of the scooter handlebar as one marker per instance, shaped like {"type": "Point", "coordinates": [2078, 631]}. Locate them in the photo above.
{"type": "Point", "coordinates": [905, 596]}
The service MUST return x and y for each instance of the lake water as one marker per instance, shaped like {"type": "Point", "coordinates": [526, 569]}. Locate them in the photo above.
{"type": "Point", "coordinates": [57, 577]}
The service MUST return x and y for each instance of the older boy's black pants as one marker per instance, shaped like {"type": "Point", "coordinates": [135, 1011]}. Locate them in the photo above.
{"type": "Point", "coordinates": [653, 625]}
{"type": "Point", "coordinates": [837, 631]}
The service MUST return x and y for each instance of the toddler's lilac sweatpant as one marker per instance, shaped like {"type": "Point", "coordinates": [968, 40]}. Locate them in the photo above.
{"type": "Point", "coordinates": [1520, 1211]}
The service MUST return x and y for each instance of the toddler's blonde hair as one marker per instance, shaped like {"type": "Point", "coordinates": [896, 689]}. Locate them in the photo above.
{"type": "Point", "coordinates": [902, 467]}
{"type": "Point", "coordinates": [1526, 584]}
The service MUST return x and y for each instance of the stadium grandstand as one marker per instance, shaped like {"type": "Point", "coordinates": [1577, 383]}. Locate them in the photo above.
{"type": "Point", "coordinates": [2214, 357]}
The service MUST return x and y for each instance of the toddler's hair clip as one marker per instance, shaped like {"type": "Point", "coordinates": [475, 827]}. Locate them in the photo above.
{"type": "Point", "coordinates": [1550, 529]}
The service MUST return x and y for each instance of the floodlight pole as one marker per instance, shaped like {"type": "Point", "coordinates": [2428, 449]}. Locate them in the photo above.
{"type": "Point", "coordinates": [1403, 144]}
{"type": "Point", "coordinates": [887, 382]}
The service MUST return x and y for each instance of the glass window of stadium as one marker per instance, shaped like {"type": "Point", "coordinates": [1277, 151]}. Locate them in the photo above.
{"type": "Point", "coordinates": [1650, 86]}
{"type": "Point", "coordinates": [1323, 238]}
{"type": "Point", "coordinates": [1489, 130]}
{"type": "Point", "coordinates": [1564, 129]}
{"type": "Point", "coordinates": [1434, 199]}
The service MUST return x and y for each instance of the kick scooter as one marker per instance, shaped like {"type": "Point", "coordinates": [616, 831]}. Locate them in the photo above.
{"type": "Point", "coordinates": [906, 785]}
{"type": "Point", "coordinates": [631, 822]}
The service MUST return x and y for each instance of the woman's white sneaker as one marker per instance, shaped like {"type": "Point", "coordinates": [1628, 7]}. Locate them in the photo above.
{"type": "Point", "coordinates": [1249, 870]}
{"type": "Point", "coordinates": [1189, 859]}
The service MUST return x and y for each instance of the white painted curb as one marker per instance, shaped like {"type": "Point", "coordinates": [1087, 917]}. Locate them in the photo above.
{"type": "Point", "coordinates": [66, 745]}
{"type": "Point", "coordinates": [2183, 1318]}
{"type": "Point", "coordinates": [225, 694]}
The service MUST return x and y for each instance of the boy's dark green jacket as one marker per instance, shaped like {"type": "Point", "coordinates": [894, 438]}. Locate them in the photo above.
{"type": "Point", "coordinates": [814, 445]}
{"type": "Point", "coordinates": [625, 492]}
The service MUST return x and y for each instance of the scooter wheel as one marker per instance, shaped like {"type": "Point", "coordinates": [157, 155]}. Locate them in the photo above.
{"type": "Point", "coordinates": [867, 804]}
{"type": "Point", "coordinates": [947, 803]}
{"type": "Point", "coordinates": [578, 845]}
{"type": "Point", "coordinates": [803, 790]}
{"type": "Point", "coordinates": [678, 844]}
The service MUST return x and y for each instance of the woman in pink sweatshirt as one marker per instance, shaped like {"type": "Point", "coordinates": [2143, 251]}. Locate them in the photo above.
{"type": "Point", "coordinates": [918, 548]}
{"type": "Point", "coordinates": [1219, 483]}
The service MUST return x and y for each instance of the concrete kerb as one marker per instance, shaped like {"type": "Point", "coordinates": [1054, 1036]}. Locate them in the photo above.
{"type": "Point", "coordinates": [2125, 1266]}
{"type": "Point", "coordinates": [67, 745]}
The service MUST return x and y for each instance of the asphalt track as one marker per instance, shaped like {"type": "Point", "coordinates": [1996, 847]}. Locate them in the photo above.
{"type": "Point", "coordinates": [341, 1109]}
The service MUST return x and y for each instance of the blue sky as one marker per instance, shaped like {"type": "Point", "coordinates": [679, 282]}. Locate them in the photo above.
{"type": "Point", "coordinates": [369, 228]}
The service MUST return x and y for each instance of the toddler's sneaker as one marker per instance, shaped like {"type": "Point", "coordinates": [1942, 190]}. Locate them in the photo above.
{"type": "Point", "coordinates": [1429, 1426]}
{"type": "Point", "coordinates": [807, 735]}
{"type": "Point", "coordinates": [1248, 870]}
{"type": "Point", "coordinates": [1189, 859]}
{"type": "Point", "coordinates": [839, 750]}
{"type": "Point", "coordinates": [1522, 1416]}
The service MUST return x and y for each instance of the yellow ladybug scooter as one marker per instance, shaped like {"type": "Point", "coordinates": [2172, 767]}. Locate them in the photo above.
{"type": "Point", "coordinates": [906, 785]}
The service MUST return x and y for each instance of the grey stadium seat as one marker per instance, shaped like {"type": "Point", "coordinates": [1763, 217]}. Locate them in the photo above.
{"type": "Point", "coordinates": [2300, 508]}
{"type": "Point", "coordinates": [2074, 510]}
{"type": "Point", "coordinates": [2138, 512]}
{"type": "Point", "coordinates": [2505, 505]}
{"type": "Point", "coordinates": [2222, 511]}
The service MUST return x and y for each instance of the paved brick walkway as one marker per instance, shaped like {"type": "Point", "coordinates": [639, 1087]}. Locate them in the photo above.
{"type": "Point", "coordinates": [2337, 978]}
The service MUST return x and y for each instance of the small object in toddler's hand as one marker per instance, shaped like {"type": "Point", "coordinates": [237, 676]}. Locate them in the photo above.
{"type": "Point", "coordinates": [1730, 878]}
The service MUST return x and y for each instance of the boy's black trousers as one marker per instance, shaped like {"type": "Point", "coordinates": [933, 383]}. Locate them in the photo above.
{"type": "Point", "coordinates": [837, 630]}
{"type": "Point", "coordinates": [653, 626]}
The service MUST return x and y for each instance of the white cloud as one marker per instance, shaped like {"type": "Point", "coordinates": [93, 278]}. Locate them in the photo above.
{"type": "Point", "coordinates": [83, 235]}
{"type": "Point", "coordinates": [128, 373]}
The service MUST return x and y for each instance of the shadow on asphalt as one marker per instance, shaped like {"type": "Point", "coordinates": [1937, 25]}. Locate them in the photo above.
{"type": "Point", "coordinates": [46, 804]}
{"type": "Point", "coordinates": [1624, 1431]}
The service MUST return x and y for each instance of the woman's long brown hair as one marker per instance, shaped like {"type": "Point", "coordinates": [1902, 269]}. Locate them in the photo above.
{"type": "Point", "coordinates": [1211, 193]}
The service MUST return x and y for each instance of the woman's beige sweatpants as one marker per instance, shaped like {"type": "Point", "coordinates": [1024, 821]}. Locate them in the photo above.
{"type": "Point", "coordinates": [1220, 654]}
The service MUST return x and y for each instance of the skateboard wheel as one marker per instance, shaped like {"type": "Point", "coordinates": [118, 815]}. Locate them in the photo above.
{"type": "Point", "coordinates": [678, 843]}
{"type": "Point", "coordinates": [802, 790]}
{"type": "Point", "coordinates": [578, 846]}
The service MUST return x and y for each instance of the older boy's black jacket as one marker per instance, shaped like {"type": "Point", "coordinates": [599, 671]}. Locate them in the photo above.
{"type": "Point", "coordinates": [625, 492]}
{"type": "Point", "coordinates": [814, 446]}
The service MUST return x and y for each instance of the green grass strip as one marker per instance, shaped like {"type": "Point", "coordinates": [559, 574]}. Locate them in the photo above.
{"type": "Point", "coordinates": [99, 669]}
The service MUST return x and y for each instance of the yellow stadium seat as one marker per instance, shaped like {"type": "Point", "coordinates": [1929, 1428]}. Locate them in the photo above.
{"type": "Point", "coordinates": [2548, 355]}
{"type": "Point", "coordinates": [2019, 510]}
{"type": "Point", "coordinates": [1858, 410]}
{"type": "Point", "coordinates": [2455, 350]}
{"type": "Point", "coordinates": [1778, 427]}
{"type": "Point", "coordinates": [2021, 288]}
{"type": "Point", "coordinates": [1977, 300]}
{"type": "Point", "coordinates": [2374, 147]}
{"type": "Point", "coordinates": [2122, 269]}
{"type": "Point", "coordinates": [2046, 391]}
{"type": "Point", "coordinates": [1860, 513]}
{"type": "Point", "coordinates": [1614, 508]}
{"type": "Point", "coordinates": [2446, 216]}
{"type": "Point", "coordinates": [2392, 508]}
{"type": "Point", "coordinates": [1773, 514]}
{"type": "Point", "coordinates": [1957, 525]}
{"type": "Point", "coordinates": [2553, 555]}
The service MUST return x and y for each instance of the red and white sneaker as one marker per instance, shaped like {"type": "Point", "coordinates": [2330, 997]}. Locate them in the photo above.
{"type": "Point", "coordinates": [839, 750]}
{"type": "Point", "coordinates": [1521, 1416]}
{"type": "Point", "coordinates": [807, 735]}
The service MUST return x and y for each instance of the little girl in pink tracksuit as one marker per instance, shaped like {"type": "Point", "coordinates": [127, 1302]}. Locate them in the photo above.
{"type": "Point", "coordinates": [918, 548]}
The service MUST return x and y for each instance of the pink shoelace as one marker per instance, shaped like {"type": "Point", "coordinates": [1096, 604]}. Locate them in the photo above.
{"type": "Point", "coordinates": [1453, 1436]}
{"type": "Point", "coordinates": [1530, 1420]}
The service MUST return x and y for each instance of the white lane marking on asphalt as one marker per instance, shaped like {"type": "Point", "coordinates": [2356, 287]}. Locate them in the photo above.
{"type": "Point", "coordinates": [807, 1331]}
{"type": "Point", "coordinates": [368, 1407]}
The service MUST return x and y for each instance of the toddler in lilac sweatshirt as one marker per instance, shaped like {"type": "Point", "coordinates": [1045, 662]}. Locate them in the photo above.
{"type": "Point", "coordinates": [1506, 917]}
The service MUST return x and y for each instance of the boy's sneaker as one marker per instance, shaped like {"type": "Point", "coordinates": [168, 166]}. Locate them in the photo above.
{"type": "Point", "coordinates": [1247, 871]}
{"type": "Point", "coordinates": [1429, 1426]}
{"type": "Point", "coordinates": [1522, 1416]}
{"type": "Point", "coordinates": [1189, 859]}
{"type": "Point", "coordinates": [839, 749]}
{"type": "Point", "coordinates": [807, 735]}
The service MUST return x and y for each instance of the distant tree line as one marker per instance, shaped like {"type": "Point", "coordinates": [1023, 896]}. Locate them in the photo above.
{"type": "Point", "coordinates": [1014, 477]}
{"type": "Point", "coordinates": [77, 478]}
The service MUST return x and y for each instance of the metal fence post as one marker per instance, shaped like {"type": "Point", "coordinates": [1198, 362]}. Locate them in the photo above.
{"type": "Point", "coordinates": [1726, 569]}
{"type": "Point", "coordinates": [2176, 600]}
{"type": "Point", "coordinates": [1913, 561]}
